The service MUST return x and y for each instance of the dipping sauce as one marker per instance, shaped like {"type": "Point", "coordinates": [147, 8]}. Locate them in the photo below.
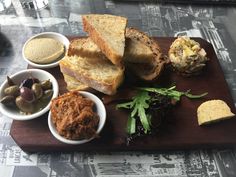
{"type": "Point", "coordinates": [74, 117]}
{"type": "Point", "coordinates": [43, 50]}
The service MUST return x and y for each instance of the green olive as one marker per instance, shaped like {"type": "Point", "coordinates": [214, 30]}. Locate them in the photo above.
{"type": "Point", "coordinates": [46, 84]}
{"type": "Point", "coordinates": [24, 105]}
{"type": "Point", "coordinates": [12, 90]}
{"type": "Point", "coordinates": [38, 91]}
{"type": "Point", "coordinates": [8, 100]}
{"type": "Point", "coordinates": [47, 94]}
{"type": "Point", "coordinates": [10, 81]}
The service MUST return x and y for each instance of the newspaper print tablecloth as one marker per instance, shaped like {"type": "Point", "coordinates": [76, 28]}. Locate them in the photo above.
{"type": "Point", "coordinates": [19, 20]}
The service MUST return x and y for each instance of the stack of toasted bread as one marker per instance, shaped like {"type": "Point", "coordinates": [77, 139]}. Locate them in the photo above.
{"type": "Point", "coordinates": [99, 61]}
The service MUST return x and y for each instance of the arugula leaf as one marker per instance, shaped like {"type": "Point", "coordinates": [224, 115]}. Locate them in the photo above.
{"type": "Point", "coordinates": [127, 105]}
{"type": "Point", "coordinates": [131, 125]}
{"type": "Point", "coordinates": [189, 95]}
{"type": "Point", "coordinates": [141, 101]}
{"type": "Point", "coordinates": [138, 105]}
{"type": "Point", "coordinates": [171, 92]}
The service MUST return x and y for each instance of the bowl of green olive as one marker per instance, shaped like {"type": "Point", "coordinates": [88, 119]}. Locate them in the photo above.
{"type": "Point", "coordinates": [27, 94]}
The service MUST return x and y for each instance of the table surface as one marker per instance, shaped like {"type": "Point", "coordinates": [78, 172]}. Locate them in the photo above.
{"type": "Point", "coordinates": [20, 19]}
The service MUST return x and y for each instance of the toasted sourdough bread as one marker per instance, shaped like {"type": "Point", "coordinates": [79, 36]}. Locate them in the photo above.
{"type": "Point", "coordinates": [84, 47]}
{"type": "Point", "coordinates": [74, 84]}
{"type": "Point", "coordinates": [99, 74]}
{"type": "Point", "coordinates": [135, 51]}
{"type": "Point", "coordinates": [151, 69]}
{"type": "Point", "coordinates": [108, 32]}
{"type": "Point", "coordinates": [142, 54]}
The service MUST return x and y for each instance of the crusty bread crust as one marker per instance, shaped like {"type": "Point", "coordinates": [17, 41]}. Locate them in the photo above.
{"type": "Point", "coordinates": [97, 38]}
{"type": "Point", "coordinates": [108, 88]}
{"type": "Point", "coordinates": [148, 71]}
{"type": "Point", "coordinates": [84, 47]}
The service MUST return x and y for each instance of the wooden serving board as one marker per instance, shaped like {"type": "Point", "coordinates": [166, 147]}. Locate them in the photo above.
{"type": "Point", "coordinates": [181, 132]}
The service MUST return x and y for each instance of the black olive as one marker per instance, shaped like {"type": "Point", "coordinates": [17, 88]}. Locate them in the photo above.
{"type": "Point", "coordinates": [29, 82]}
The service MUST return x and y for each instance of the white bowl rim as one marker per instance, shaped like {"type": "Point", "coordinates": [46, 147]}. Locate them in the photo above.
{"type": "Point", "coordinates": [39, 113]}
{"type": "Point", "coordinates": [100, 125]}
{"type": "Point", "coordinates": [49, 65]}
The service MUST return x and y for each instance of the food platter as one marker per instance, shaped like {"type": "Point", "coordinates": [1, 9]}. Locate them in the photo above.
{"type": "Point", "coordinates": [181, 132]}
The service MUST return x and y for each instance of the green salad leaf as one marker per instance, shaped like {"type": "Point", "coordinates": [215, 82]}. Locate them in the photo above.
{"type": "Point", "coordinates": [131, 125]}
{"type": "Point", "coordinates": [140, 103]}
{"type": "Point", "coordinates": [171, 92]}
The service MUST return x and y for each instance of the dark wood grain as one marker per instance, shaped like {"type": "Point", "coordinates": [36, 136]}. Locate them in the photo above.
{"type": "Point", "coordinates": [181, 131]}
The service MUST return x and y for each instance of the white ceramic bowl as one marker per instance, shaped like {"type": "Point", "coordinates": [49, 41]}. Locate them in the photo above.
{"type": "Point", "coordinates": [101, 111]}
{"type": "Point", "coordinates": [52, 35]}
{"type": "Point", "coordinates": [17, 78]}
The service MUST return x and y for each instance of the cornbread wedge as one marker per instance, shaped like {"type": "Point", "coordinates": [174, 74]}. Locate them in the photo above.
{"type": "Point", "coordinates": [108, 32]}
{"type": "Point", "coordinates": [43, 50]}
{"type": "Point", "coordinates": [96, 73]}
{"type": "Point", "coordinates": [212, 111]}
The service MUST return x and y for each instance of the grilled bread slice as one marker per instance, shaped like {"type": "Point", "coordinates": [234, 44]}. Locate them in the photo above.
{"type": "Point", "coordinates": [73, 84]}
{"type": "Point", "coordinates": [84, 47]}
{"type": "Point", "coordinates": [95, 72]}
{"type": "Point", "coordinates": [150, 67]}
{"type": "Point", "coordinates": [108, 32]}
{"type": "Point", "coordinates": [135, 51]}
{"type": "Point", "coordinates": [142, 55]}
